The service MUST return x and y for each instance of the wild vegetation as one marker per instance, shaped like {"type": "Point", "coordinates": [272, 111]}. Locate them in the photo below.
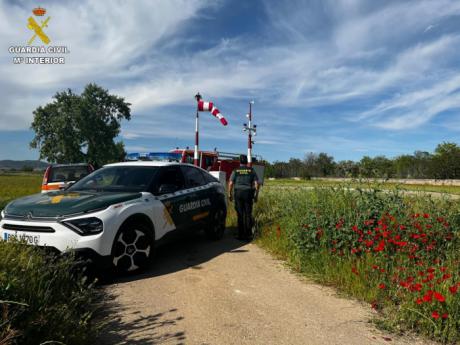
{"type": "Point", "coordinates": [398, 253]}
{"type": "Point", "coordinates": [444, 163]}
{"type": "Point", "coordinates": [43, 299]}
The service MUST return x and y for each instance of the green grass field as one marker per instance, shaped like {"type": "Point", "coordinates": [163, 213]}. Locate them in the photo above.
{"type": "Point", "coordinates": [13, 186]}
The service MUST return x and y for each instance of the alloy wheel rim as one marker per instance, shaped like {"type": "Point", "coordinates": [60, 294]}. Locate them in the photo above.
{"type": "Point", "coordinates": [131, 250]}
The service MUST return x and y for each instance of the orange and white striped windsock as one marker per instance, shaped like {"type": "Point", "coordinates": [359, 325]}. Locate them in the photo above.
{"type": "Point", "coordinates": [209, 106]}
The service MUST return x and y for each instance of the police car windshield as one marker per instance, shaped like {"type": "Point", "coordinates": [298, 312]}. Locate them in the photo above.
{"type": "Point", "coordinates": [117, 179]}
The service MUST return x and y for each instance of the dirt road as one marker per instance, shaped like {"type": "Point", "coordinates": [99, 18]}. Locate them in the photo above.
{"type": "Point", "coordinates": [228, 292]}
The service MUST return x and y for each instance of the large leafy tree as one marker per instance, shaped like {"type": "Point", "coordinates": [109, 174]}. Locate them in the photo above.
{"type": "Point", "coordinates": [80, 128]}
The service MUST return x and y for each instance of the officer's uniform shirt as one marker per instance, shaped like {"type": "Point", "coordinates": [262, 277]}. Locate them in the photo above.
{"type": "Point", "coordinates": [243, 178]}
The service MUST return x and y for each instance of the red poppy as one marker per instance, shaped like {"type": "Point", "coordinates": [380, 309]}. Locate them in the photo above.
{"type": "Point", "coordinates": [435, 315]}
{"type": "Point", "coordinates": [354, 270]}
{"type": "Point", "coordinates": [428, 296]}
{"type": "Point", "coordinates": [404, 284]}
{"type": "Point", "coordinates": [428, 278]}
{"type": "Point", "coordinates": [453, 289]}
{"type": "Point", "coordinates": [439, 297]}
{"type": "Point", "coordinates": [416, 287]}
{"type": "Point", "coordinates": [426, 215]}
{"type": "Point", "coordinates": [419, 301]}
{"type": "Point", "coordinates": [382, 286]}
{"type": "Point", "coordinates": [446, 276]}
{"type": "Point", "coordinates": [380, 247]}
{"type": "Point", "coordinates": [445, 316]}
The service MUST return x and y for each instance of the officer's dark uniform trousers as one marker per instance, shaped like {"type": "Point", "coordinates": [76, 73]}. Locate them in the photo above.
{"type": "Point", "coordinates": [244, 199]}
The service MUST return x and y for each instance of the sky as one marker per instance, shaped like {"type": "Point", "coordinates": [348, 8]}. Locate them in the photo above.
{"type": "Point", "coordinates": [345, 77]}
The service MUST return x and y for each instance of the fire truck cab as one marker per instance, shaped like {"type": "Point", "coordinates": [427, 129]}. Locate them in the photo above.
{"type": "Point", "coordinates": [219, 164]}
{"type": "Point", "coordinates": [223, 162]}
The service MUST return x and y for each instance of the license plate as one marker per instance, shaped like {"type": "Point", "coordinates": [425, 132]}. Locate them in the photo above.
{"type": "Point", "coordinates": [27, 238]}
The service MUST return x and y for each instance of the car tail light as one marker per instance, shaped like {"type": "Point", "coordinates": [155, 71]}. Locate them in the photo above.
{"type": "Point", "coordinates": [47, 174]}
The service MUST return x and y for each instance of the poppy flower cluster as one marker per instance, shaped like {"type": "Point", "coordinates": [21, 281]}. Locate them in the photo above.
{"type": "Point", "coordinates": [407, 258]}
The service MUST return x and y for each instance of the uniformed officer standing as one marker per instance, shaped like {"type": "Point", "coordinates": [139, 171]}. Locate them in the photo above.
{"type": "Point", "coordinates": [246, 184]}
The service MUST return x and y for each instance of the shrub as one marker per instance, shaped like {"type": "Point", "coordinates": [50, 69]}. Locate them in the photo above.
{"type": "Point", "coordinates": [44, 298]}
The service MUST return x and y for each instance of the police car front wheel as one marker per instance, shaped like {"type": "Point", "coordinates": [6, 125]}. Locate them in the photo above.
{"type": "Point", "coordinates": [132, 248]}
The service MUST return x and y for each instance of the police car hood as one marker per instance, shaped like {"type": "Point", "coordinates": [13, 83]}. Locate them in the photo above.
{"type": "Point", "coordinates": [59, 204]}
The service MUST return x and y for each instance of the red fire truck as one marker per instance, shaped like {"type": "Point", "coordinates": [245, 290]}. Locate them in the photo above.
{"type": "Point", "coordinates": [220, 164]}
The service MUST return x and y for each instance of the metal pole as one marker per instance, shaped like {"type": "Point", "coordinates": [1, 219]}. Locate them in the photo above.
{"type": "Point", "coordinates": [250, 136]}
{"type": "Point", "coordinates": [195, 157]}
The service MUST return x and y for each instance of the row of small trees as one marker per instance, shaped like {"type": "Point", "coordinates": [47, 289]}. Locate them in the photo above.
{"type": "Point", "coordinates": [444, 163]}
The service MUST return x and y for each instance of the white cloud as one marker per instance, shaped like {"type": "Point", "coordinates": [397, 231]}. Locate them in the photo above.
{"type": "Point", "coordinates": [320, 54]}
{"type": "Point", "coordinates": [106, 43]}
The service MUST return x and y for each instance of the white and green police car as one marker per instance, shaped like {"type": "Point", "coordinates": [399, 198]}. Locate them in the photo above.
{"type": "Point", "coordinates": [116, 215]}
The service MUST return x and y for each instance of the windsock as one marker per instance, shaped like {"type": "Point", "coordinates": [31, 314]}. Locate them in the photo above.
{"type": "Point", "coordinates": [209, 106]}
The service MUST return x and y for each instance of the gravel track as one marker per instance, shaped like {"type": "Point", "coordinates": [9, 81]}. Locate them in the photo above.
{"type": "Point", "coordinates": [228, 292]}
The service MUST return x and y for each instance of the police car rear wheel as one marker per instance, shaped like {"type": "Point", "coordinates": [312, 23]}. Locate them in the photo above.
{"type": "Point", "coordinates": [132, 249]}
{"type": "Point", "coordinates": [216, 226]}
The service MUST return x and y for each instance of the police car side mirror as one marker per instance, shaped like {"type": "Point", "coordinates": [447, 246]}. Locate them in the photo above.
{"type": "Point", "coordinates": [70, 184]}
{"type": "Point", "coordinates": [167, 188]}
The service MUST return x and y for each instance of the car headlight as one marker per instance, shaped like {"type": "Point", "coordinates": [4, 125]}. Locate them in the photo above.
{"type": "Point", "coordinates": [85, 226]}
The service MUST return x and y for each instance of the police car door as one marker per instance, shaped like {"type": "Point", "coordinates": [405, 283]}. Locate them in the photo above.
{"type": "Point", "coordinates": [196, 185]}
{"type": "Point", "coordinates": [169, 187]}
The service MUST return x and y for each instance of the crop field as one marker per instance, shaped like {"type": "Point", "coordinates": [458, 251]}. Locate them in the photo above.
{"type": "Point", "coordinates": [400, 253]}
{"type": "Point", "coordinates": [15, 185]}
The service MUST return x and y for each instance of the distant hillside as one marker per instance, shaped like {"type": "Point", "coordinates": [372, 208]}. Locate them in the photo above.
{"type": "Point", "coordinates": [19, 165]}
